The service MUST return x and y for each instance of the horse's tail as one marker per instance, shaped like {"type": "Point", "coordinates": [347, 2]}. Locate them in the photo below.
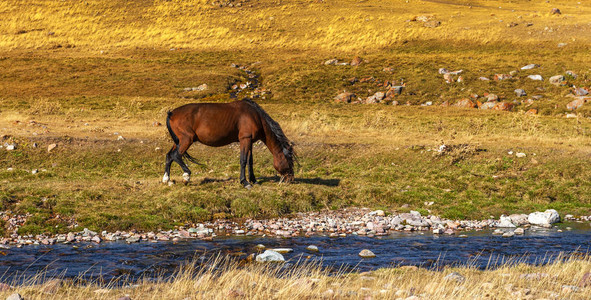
{"type": "Point", "coordinates": [175, 138]}
{"type": "Point", "coordinates": [176, 141]}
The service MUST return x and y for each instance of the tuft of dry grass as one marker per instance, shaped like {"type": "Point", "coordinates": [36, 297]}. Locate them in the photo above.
{"type": "Point", "coordinates": [225, 279]}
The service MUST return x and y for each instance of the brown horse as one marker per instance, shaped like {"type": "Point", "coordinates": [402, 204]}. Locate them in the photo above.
{"type": "Point", "coordinates": [220, 124]}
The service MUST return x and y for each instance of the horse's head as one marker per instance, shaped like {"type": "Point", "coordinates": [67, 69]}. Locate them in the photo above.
{"type": "Point", "coordinates": [283, 163]}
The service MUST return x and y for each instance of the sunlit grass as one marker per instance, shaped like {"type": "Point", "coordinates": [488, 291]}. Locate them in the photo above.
{"type": "Point", "coordinates": [222, 279]}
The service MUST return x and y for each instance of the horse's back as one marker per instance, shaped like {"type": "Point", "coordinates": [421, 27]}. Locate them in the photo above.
{"type": "Point", "coordinates": [219, 124]}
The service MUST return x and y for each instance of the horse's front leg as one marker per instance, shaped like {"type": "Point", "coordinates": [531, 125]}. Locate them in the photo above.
{"type": "Point", "coordinates": [245, 145]}
{"type": "Point", "coordinates": [251, 177]}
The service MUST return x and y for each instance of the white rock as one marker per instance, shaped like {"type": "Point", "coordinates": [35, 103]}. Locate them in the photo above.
{"type": "Point", "coordinates": [519, 231]}
{"type": "Point", "coordinates": [529, 67]}
{"type": "Point", "coordinates": [282, 250]}
{"type": "Point", "coordinates": [15, 296]}
{"type": "Point", "coordinates": [535, 77]}
{"type": "Point", "coordinates": [270, 256]}
{"type": "Point", "coordinates": [520, 155]}
{"type": "Point", "coordinates": [505, 222]}
{"type": "Point", "coordinates": [545, 219]}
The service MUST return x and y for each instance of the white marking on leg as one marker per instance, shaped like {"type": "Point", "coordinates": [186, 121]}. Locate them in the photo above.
{"type": "Point", "coordinates": [165, 178]}
{"type": "Point", "coordinates": [186, 177]}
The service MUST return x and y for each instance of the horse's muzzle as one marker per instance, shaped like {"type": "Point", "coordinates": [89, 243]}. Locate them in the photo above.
{"type": "Point", "coordinates": [287, 178]}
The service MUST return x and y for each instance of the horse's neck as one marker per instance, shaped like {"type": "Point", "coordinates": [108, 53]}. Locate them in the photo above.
{"type": "Point", "coordinates": [273, 144]}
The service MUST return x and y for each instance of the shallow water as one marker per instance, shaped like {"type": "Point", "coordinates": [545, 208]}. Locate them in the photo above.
{"type": "Point", "coordinates": [109, 260]}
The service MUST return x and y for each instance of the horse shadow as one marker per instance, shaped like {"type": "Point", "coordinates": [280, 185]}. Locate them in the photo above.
{"type": "Point", "coordinates": [260, 180]}
{"type": "Point", "coordinates": [314, 181]}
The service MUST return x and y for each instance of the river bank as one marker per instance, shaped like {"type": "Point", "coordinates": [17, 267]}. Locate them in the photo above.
{"type": "Point", "coordinates": [338, 223]}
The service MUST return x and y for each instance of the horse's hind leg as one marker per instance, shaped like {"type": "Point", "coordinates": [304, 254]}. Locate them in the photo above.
{"type": "Point", "coordinates": [178, 157]}
{"type": "Point", "coordinates": [169, 161]}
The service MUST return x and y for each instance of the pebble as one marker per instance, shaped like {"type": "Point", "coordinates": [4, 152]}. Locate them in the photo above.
{"type": "Point", "coordinates": [283, 250]}
{"type": "Point", "coordinates": [51, 147]}
{"type": "Point", "coordinates": [366, 253]}
{"type": "Point", "coordinates": [508, 234]}
{"type": "Point", "coordinates": [519, 231]}
{"type": "Point", "coordinates": [312, 248]}
{"type": "Point", "coordinates": [520, 92]}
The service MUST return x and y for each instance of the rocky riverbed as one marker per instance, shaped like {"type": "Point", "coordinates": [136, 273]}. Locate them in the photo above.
{"type": "Point", "coordinates": [339, 223]}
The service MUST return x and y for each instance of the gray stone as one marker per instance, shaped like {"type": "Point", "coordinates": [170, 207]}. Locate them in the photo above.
{"type": "Point", "coordinates": [270, 256]}
{"type": "Point", "coordinates": [581, 92]}
{"type": "Point", "coordinates": [312, 248]}
{"type": "Point", "coordinates": [520, 92]}
{"type": "Point", "coordinates": [345, 97]}
{"type": "Point", "coordinates": [132, 239]}
{"type": "Point", "coordinates": [535, 77]}
{"type": "Point", "coordinates": [379, 96]}
{"type": "Point", "coordinates": [508, 234]}
{"type": "Point", "coordinates": [378, 212]}
{"type": "Point", "coordinates": [519, 219]}
{"type": "Point", "coordinates": [557, 80]}
{"type": "Point", "coordinates": [333, 61]}
{"type": "Point", "coordinates": [397, 89]}
{"type": "Point", "coordinates": [366, 253]}
{"type": "Point", "coordinates": [455, 276]}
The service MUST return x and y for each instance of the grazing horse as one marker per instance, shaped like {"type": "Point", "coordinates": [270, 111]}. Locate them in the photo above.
{"type": "Point", "coordinates": [220, 124]}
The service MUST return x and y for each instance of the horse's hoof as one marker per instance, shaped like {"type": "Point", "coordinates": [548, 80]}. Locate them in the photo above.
{"type": "Point", "coordinates": [186, 178]}
{"type": "Point", "coordinates": [171, 183]}
{"type": "Point", "coordinates": [248, 186]}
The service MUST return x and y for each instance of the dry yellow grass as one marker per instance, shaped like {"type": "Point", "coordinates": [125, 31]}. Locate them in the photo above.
{"type": "Point", "coordinates": [222, 280]}
{"type": "Point", "coordinates": [327, 25]}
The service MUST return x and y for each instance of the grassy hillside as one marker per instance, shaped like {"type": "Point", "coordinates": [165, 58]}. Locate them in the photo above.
{"type": "Point", "coordinates": [80, 74]}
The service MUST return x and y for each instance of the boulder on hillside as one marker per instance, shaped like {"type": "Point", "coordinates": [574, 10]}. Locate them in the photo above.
{"type": "Point", "coordinates": [465, 103]}
{"type": "Point", "coordinates": [345, 97]}
{"type": "Point", "coordinates": [505, 106]}
{"type": "Point", "coordinates": [576, 103]}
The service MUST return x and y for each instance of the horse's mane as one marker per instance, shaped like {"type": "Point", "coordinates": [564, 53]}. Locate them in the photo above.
{"type": "Point", "coordinates": [277, 131]}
